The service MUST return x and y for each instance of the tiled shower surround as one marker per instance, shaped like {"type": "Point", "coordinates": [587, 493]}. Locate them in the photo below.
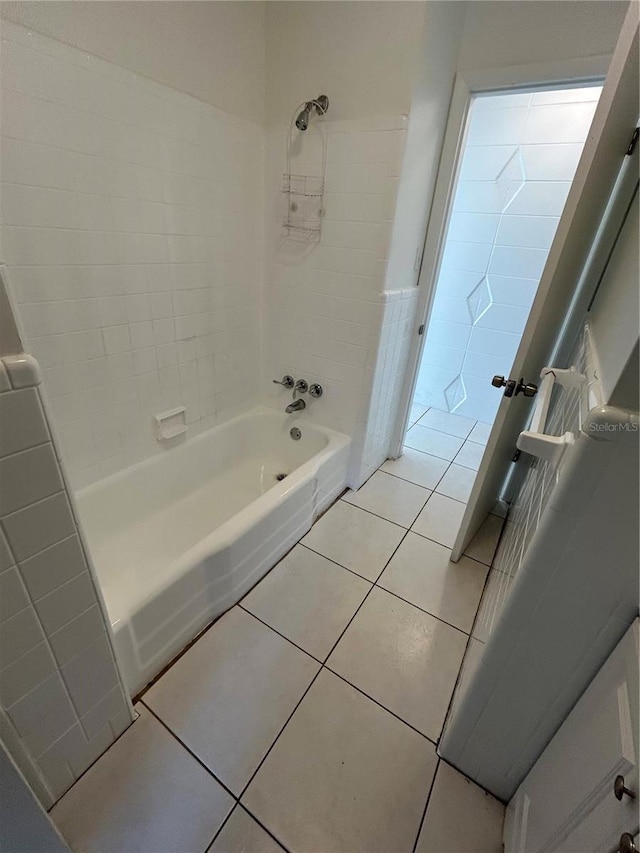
{"type": "Point", "coordinates": [133, 234]}
{"type": "Point", "coordinates": [132, 230]}
{"type": "Point", "coordinates": [521, 153]}
{"type": "Point", "coordinates": [61, 698]}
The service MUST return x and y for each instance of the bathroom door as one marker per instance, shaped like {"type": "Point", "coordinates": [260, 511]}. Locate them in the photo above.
{"type": "Point", "coordinates": [609, 139]}
{"type": "Point", "coordinates": [569, 800]}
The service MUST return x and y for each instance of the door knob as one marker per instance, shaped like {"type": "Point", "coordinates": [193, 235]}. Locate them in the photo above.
{"type": "Point", "coordinates": [508, 384]}
{"type": "Point", "coordinates": [627, 844]}
{"type": "Point", "coordinates": [512, 387]}
{"type": "Point", "coordinates": [528, 389]}
{"type": "Point", "coordinates": [619, 789]}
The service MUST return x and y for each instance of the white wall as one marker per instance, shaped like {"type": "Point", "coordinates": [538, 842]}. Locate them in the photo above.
{"type": "Point", "coordinates": [362, 55]}
{"type": "Point", "coordinates": [132, 228]}
{"type": "Point", "coordinates": [213, 51]}
{"type": "Point", "coordinates": [498, 34]}
{"type": "Point", "coordinates": [520, 156]}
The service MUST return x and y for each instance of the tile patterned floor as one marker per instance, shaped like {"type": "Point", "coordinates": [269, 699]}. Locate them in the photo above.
{"type": "Point", "coordinates": [307, 717]}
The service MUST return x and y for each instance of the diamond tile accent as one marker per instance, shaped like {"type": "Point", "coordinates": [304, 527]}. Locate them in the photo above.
{"type": "Point", "coordinates": [511, 179]}
{"type": "Point", "coordinates": [455, 393]}
{"type": "Point", "coordinates": [479, 300]}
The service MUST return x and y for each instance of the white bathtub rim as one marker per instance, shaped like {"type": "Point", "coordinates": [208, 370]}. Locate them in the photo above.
{"type": "Point", "coordinates": [257, 411]}
{"type": "Point", "coordinates": [231, 530]}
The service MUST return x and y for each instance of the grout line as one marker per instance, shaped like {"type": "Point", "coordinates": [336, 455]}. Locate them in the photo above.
{"type": "Point", "coordinates": [422, 610]}
{"type": "Point", "coordinates": [379, 704]}
{"type": "Point", "coordinates": [277, 737]}
{"type": "Point", "coordinates": [444, 431]}
{"type": "Point", "coordinates": [312, 682]}
{"type": "Point", "coordinates": [426, 805]}
{"type": "Point", "coordinates": [239, 805]}
{"type": "Point", "coordinates": [426, 452]}
{"type": "Point", "coordinates": [279, 633]}
{"type": "Point", "coordinates": [379, 516]}
{"type": "Point", "coordinates": [189, 750]}
{"type": "Point", "coordinates": [353, 571]}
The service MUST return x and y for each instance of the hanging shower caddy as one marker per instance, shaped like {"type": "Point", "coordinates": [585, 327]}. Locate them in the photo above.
{"type": "Point", "coordinates": [303, 195]}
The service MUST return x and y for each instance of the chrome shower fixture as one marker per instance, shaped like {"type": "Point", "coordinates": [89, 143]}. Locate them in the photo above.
{"type": "Point", "coordinates": [319, 104]}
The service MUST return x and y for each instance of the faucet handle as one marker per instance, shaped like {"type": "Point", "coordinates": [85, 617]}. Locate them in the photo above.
{"type": "Point", "coordinates": [302, 386]}
{"type": "Point", "coordinates": [286, 381]}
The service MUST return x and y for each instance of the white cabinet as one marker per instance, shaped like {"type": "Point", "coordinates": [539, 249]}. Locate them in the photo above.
{"type": "Point", "coordinates": [566, 804]}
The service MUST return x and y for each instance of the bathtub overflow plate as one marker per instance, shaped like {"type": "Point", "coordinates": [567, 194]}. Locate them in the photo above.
{"type": "Point", "coordinates": [295, 433]}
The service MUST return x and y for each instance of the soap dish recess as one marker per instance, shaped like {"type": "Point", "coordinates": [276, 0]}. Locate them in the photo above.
{"type": "Point", "coordinates": [171, 424]}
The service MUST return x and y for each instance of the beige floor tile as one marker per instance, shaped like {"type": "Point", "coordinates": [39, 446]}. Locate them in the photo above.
{"type": "Point", "coordinates": [354, 538]}
{"type": "Point", "coordinates": [230, 694]}
{"type": "Point", "coordinates": [457, 483]}
{"type": "Point", "coordinates": [417, 467]}
{"type": "Point", "coordinates": [483, 545]}
{"type": "Point", "coordinates": [308, 599]}
{"type": "Point", "coordinates": [422, 573]}
{"type": "Point", "coordinates": [480, 433]}
{"type": "Point", "coordinates": [405, 659]}
{"type": "Point", "coordinates": [440, 519]}
{"type": "Point", "coordinates": [242, 834]}
{"type": "Point", "coordinates": [461, 817]}
{"type": "Point", "coordinates": [433, 442]}
{"type": "Point", "coordinates": [391, 498]}
{"type": "Point", "coordinates": [345, 775]}
{"type": "Point", "coordinates": [447, 422]}
{"type": "Point", "coordinates": [470, 455]}
{"type": "Point", "coordinates": [146, 793]}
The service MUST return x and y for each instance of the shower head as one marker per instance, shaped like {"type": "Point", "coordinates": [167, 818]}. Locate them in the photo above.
{"type": "Point", "coordinates": [302, 122]}
{"type": "Point", "coordinates": [319, 104]}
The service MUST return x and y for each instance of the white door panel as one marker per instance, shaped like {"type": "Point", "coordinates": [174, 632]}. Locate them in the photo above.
{"type": "Point", "coordinates": [566, 804]}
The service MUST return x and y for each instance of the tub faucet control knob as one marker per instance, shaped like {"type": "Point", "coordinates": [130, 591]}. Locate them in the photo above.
{"type": "Point", "coordinates": [301, 387]}
{"type": "Point", "coordinates": [286, 381]}
{"type": "Point", "coordinates": [316, 390]}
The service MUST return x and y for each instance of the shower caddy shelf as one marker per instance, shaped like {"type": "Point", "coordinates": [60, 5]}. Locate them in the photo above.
{"type": "Point", "coordinates": [304, 198]}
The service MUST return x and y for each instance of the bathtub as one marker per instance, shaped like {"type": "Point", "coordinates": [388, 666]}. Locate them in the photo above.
{"type": "Point", "coordinates": [179, 538]}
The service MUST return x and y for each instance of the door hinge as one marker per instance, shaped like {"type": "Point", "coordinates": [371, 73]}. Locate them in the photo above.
{"type": "Point", "coordinates": [516, 455]}
{"type": "Point", "coordinates": [421, 330]}
{"type": "Point", "coordinates": [634, 142]}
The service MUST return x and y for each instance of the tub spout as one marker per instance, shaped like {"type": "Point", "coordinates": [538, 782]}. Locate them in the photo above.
{"type": "Point", "coordinates": [296, 406]}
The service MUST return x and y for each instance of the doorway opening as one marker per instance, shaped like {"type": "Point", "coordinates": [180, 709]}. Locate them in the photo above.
{"type": "Point", "coordinates": [518, 159]}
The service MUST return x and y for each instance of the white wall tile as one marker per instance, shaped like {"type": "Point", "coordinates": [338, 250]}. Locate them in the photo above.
{"type": "Point", "coordinates": [22, 423]}
{"type": "Point", "coordinates": [554, 162]}
{"type": "Point", "coordinates": [540, 198]}
{"type": "Point", "coordinates": [52, 567]}
{"type": "Point", "coordinates": [105, 186]}
{"type": "Point", "coordinates": [535, 232]}
{"type": "Point", "coordinates": [13, 596]}
{"type": "Point", "coordinates": [27, 477]}
{"type": "Point", "coordinates": [491, 342]}
{"type": "Point", "coordinates": [35, 527]}
{"type": "Point", "coordinates": [517, 262]}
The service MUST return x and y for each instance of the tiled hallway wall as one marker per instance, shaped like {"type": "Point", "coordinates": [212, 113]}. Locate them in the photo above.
{"type": "Point", "coordinates": [521, 153]}
{"type": "Point", "coordinates": [132, 229]}
{"type": "Point", "coordinates": [61, 698]}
